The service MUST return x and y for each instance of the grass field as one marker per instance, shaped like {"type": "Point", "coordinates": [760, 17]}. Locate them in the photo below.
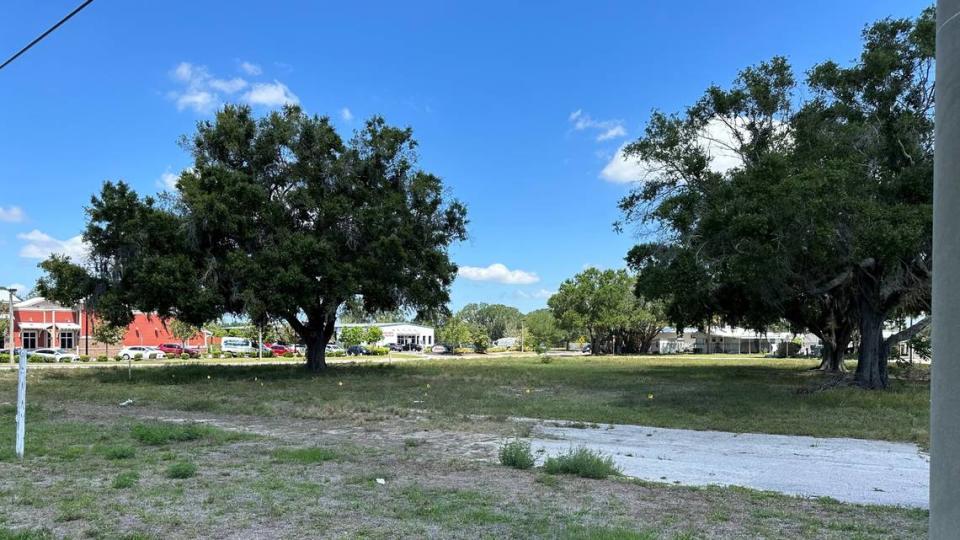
{"type": "Point", "coordinates": [275, 451]}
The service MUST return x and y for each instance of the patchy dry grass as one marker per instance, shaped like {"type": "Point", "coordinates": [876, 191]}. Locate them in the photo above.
{"type": "Point", "coordinates": [275, 452]}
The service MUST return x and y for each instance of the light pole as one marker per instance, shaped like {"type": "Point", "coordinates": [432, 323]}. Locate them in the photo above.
{"type": "Point", "coordinates": [945, 376]}
{"type": "Point", "coordinates": [10, 292]}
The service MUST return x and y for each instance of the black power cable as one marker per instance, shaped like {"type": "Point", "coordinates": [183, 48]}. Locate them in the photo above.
{"type": "Point", "coordinates": [45, 34]}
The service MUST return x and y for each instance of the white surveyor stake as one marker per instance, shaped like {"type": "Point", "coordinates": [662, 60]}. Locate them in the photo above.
{"type": "Point", "coordinates": [21, 403]}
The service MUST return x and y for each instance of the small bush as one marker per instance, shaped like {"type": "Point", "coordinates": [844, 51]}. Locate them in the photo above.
{"type": "Point", "coordinates": [184, 356]}
{"type": "Point", "coordinates": [288, 354]}
{"type": "Point", "coordinates": [125, 480]}
{"type": "Point", "coordinates": [84, 358]}
{"type": "Point", "coordinates": [496, 349]}
{"type": "Point", "coordinates": [462, 350]}
{"type": "Point", "coordinates": [159, 433]}
{"type": "Point", "coordinates": [102, 358]}
{"type": "Point", "coordinates": [137, 357]}
{"type": "Point", "coordinates": [516, 454]}
{"type": "Point", "coordinates": [118, 358]}
{"type": "Point", "coordinates": [304, 455]}
{"type": "Point", "coordinates": [181, 469]}
{"type": "Point", "coordinates": [582, 462]}
{"type": "Point", "coordinates": [119, 452]}
{"type": "Point", "coordinates": [378, 351]}
{"type": "Point", "coordinates": [335, 354]}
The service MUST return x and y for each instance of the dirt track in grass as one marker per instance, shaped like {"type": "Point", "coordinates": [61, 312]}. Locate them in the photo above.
{"type": "Point", "coordinates": [440, 480]}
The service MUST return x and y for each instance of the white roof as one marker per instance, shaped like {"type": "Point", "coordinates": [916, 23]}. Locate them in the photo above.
{"type": "Point", "coordinates": [39, 302]}
{"type": "Point", "coordinates": [743, 333]}
{"type": "Point", "coordinates": [381, 325]}
{"type": "Point", "coordinates": [46, 325]}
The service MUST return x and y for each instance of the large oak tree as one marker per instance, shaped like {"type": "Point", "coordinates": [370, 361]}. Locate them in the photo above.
{"type": "Point", "coordinates": [826, 218]}
{"type": "Point", "coordinates": [279, 219]}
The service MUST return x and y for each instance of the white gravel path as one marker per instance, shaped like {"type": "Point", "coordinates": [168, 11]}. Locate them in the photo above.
{"type": "Point", "coordinates": [849, 470]}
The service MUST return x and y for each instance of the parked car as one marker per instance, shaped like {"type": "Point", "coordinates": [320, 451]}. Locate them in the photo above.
{"type": "Point", "coordinates": [438, 349]}
{"type": "Point", "coordinates": [412, 347]}
{"type": "Point", "coordinates": [233, 346]}
{"type": "Point", "coordinates": [586, 349]}
{"type": "Point", "coordinates": [280, 349]}
{"type": "Point", "coordinates": [357, 350]}
{"type": "Point", "coordinates": [176, 349]}
{"type": "Point", "coordinates": [332, 348]}
{"type": "Point", "coordinates": [132, 351]}
{"type": "Point", "coordinates": [394, 347]}
{"type": "Point", "coordinates": [57, 355]}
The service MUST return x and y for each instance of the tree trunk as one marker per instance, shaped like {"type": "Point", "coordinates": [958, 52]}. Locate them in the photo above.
{"type": "Point", "coordinates": [872, 357]}
{"type": "Point", "coordinates": [316, 342]}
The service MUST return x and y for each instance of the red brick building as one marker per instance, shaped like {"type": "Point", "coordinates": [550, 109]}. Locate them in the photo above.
{"type": "Point", "coordinates": [40, 323]}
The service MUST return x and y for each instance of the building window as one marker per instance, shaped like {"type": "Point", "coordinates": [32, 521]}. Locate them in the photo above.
{"type": "Point", "coordinates": [29, 339]}
{"type": "Point", "coordinates": [66, 340]}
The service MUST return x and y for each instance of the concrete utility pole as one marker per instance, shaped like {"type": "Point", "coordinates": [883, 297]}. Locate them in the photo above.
{"type": "Point", "coordinates": [945, 378]}
{"type": "Point", "coordinates": [10, 320]}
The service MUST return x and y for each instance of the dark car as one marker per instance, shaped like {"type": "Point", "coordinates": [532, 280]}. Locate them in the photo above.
{"type": "Point", "coordinates": [412, 347]}
{"type": "Point", "coordinates": [357, 350]}
{"type": "Point", "coordinates": [176, 349]}
{"type": "Point", "coordinates": [586, 349]}
{"type": "Point", "coordinates": [394, 347]}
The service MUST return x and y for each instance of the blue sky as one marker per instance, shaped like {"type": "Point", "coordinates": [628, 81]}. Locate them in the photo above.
{"type": "Point", "coordinates": [519, 106]}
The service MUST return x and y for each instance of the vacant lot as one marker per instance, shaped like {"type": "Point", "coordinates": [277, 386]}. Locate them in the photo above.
{"type": "Point", "coordinates": [255, 451]}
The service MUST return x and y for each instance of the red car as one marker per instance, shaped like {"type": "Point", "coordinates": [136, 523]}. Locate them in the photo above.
{"type": "Point", "coordinates": [175, 349]}
{"type": "Point", "coordinates": [279, 348]}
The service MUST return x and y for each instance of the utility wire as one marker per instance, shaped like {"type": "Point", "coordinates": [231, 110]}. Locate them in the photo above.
{"type": "Point", "coordinates": [45, 34]}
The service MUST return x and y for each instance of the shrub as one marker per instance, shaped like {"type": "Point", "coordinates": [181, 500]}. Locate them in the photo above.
{"type": "Point", "coordinates": [158, 433]}
{"type": "Point", "coordinates": [288, 354]}
{"type": "Point", "coordinates": [84, 358]}
{"type": "Point", "coordinates": [304, 455]}
{"type": "Point", "coordinates": [336, 354]}
{"type": "Point", "coordinates": [217, 355]}
{"type": "Point", "coordinates": [481, 342]}
{"type": "Point", "coordinates": [125, 480]}
{"type": "Point", "coordinates": [137, 357]}
{"type": "Point", "coordinates": [268, 354]}
{"type": "Point", "coordinates": [102, 358]}
{"type": "Point", "coordinates": [119, 452]}
{"type": "Point", "coordinates": [496, 349]}
{"type": "Point", "coordinates": [118, 358]}
{"type": "Point", "coordinates": [462, 350]}
{"type": "Point", "coordinates": [181, 469]}
{"type": "Point", "coordinates": [516, 454]}
{"type": "Point", "coordinates": [378, 351]}
{"type": "Point", "coordinates": [582, 462]}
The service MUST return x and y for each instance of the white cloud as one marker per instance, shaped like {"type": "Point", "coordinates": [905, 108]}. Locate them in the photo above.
{"type": "Point", "coordinates": [346, 114]}
{"type": "Point", "coordinates": [271, 95]}
{"type": "Point", "coordinates": [20, 288]}
{"type": "Point", "coordinates": [250, 68]}
{"type": "Point", "coordinates": [40, 245]}
{"type": "Point", "coordinates": [228, 86]}
{"type": "Point", "coordinates": [499, 273]}
{"type": "Point", "coordinates": [202, 92]}
{"type": "Point", "coordinates": [716, 139]}
{"type": "Point", "coordinates": [168, 181]}
{"type": "Point", "coordinates": [607, 129]}
{"type": "Point", "coordinates": [12, 214]}
{"type": "Point", "coordinates": [612, 133]}
{"type": "Point", "coordinates": [540, 294]}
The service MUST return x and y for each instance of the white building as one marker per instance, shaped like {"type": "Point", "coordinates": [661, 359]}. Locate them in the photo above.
{"type": "Point", "coordinates": [399, 333]}
{"type": "Point", "coordinates": [730, 340]}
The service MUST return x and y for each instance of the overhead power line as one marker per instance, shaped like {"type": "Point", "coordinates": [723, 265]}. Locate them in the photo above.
{"type": "Point", "coordinates": [45, 34]}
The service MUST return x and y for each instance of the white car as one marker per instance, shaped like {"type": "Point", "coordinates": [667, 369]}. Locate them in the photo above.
{"type": "Point", "coordinates": [145, 352]}
{"type": "Point", "coordinates": [58, 355]}
{"type": "Point", "coordinates": [233, 346]}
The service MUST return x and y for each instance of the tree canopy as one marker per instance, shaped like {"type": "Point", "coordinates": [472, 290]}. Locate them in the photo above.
{"type": "Point", "coordinates": [824, 220]}
{"type": "Point", "coordinates": [602, 304]}
{"type": "Point", "coordinates": [278, 218]}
